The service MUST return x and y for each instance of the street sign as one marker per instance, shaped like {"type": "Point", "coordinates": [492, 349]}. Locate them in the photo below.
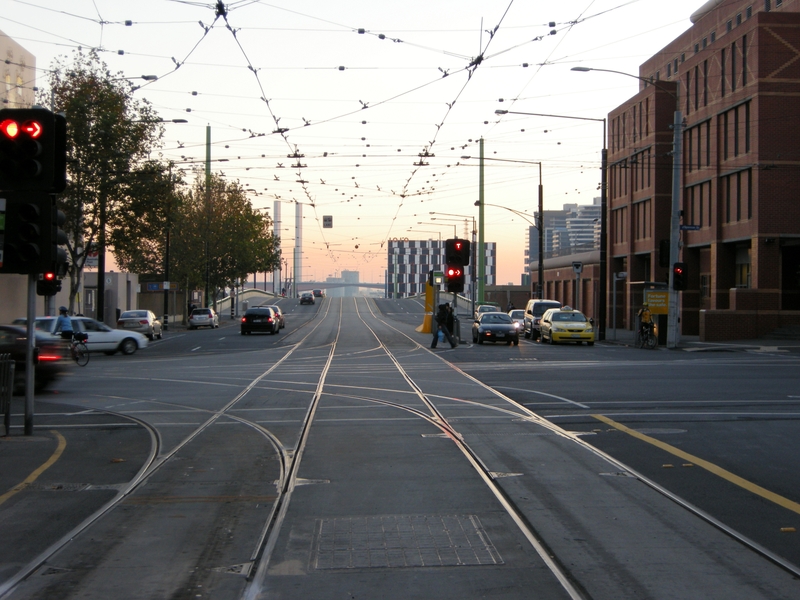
{"type": "Point", "coordinates": [577, 267]}
{"type": "Point", "coordinates": [327, 221]}
{"type": "Point", "coordinates": [690, 227]}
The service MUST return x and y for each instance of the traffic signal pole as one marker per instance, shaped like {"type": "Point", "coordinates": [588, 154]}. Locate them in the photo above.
{"type": "Point", "coordinates": [29, 353]}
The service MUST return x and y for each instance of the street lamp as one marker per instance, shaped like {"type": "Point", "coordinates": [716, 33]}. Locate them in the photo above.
{"type": "Point", "coordinates": [603, 304]}
{"type": "Point", "coordinates": [540, 228]}
{"type": "Point", "coordinates": [673, 331]}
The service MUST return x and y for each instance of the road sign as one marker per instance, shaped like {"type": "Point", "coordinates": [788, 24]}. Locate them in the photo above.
{"type": "Point", "coordinates": [577, 267]}
{"type": "Point", "coordinates": [327, 221]}
{"type": "Point", "coordinates": [690, 227]}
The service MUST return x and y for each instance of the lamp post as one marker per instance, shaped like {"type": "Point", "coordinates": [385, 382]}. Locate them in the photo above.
{"type": "Point", "coordinates": [673, 331]}
{"type": "Point", "coordinates": [540, 227]}
{"type": "Point", "coordinates": [603, 304]}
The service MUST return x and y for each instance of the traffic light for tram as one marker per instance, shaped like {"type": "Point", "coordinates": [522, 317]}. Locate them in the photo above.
{"type": "Point", "coordinates": [679, 276]}
{"type": "Point", "coordinates": [456, 256]}
{"type": "Point", "coordinates": [48, 285]}
{"type": "Point", "coordinates": [30, 234]}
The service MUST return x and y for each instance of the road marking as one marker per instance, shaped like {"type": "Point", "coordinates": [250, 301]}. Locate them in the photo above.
{"type": "Point", "coordinates": [197, 348]}
{"type": "Point", "coordinates": [711, 467]}
{"type": "Point", "coordinates": [62, 443]}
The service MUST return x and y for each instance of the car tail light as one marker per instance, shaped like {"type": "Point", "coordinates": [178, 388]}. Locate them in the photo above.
{"type": "Point", "coordinates": [244, 319]}
{"type": "Point", "coordinates": [143, 322]}
{"type": "Point", "coordinates": [119, 323]}
{"type": "Point", "coordinates": [49, 356]}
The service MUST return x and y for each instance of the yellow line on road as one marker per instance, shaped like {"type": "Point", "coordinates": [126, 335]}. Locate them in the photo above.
{"type": "Point", "coordinates": [62, 443]}
{"type": "Point", "coordinates": [711, 467]}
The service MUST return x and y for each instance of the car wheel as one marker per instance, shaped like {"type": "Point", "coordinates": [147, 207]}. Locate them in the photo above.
{"type": "Point", "coordinates": [480, 340]}
{"type": "Point", "coordinates": [508, 343]}
{"type": "Point", "coordinates": [516, 342]}
{"type": "Point", "coordinates": [278, 331]}
{"type": "Point", "coordinates": [551, 340]}
{"type": "Point", "coordinates": [590, 343]}
{"type": "Point", "coordinates": [191, 327]}
{"type": "Point", "coordinates": [128, 346]}
{"type": "Point", "coordinates": [527, 334]}
{"type": "Point", "coordinates": [151, 337]}
{"type": "Point", "coordinates": [110, 352]}
{"type": "Point", "coordinates": [580, 343]}
{"type": "Point", "coordinates": [242, 332]}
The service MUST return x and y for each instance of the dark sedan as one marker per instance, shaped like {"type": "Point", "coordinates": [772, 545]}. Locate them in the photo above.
{"type": "Point", "coordinates": [260, 319]}
{"type": "Point", "coordinates": [52, 357]}
{"type": "Point", "coordinates": [495, 327]}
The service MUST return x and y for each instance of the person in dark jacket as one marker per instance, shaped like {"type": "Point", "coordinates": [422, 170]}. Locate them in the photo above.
{"type": "Point", "coordinates": [440, 324]}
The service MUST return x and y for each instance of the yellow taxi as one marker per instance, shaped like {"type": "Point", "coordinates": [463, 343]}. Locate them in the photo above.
{"type": "Point", "coordinates": [566, 325]}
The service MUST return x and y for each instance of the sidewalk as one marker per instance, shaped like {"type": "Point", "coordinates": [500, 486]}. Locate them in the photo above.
{"type": "Point", "coordinates": [692, 343]}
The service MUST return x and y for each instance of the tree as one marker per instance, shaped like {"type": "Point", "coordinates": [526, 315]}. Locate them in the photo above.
{"type": "Point", "coordinates": [219, 237]}
{"type": "Point", "coordinates": [109, 136]}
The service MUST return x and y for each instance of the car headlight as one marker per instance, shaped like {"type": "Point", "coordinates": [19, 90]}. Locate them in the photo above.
{"type": "Point", "coordinates": [516, 325]}
{"type": "Point", "coordinates": [559, 329]}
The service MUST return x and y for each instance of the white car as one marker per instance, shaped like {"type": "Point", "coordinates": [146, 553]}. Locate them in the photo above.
{"type": "Point", "coordinates": [101, 337]}
{"type": "Point", "coordinates": [518, 316]}
{"type": "Point", "coordinates": [203, 317]}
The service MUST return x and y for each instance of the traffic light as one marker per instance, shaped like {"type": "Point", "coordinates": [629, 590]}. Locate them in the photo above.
{"type": "Point", "coordinates": [679, 276]}
{"type": "Point", "coordinates": [27, 232]}
{"type": "Point", "coordinates": [456, 256]}
{"type": "Point", "coordinates": [48, 285]}
{"type": "Point", "coordinates": [58, 256]}
{"type": "Point", "coordinates": [27, 149]}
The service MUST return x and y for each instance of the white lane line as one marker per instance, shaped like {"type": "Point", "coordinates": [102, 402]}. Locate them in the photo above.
{"type": "Point", "coordinates": [543, 394]}
{"type": "Point", "coordinates": [193, 349]}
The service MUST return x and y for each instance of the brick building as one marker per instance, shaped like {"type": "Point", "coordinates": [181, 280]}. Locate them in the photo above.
{"type": "Point", "coordinates": [735, 75]}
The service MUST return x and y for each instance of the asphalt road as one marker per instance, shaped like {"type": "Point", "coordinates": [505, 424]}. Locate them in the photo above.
{"type": "Point", "coordinates": [271, 447]}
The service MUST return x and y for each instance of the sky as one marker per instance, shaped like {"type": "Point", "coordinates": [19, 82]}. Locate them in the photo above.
{"type": "Point", "coordinates": [380, 100]}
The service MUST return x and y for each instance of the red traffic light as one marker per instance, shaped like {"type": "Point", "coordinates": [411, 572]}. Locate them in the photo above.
{"type": "Point", "coordinates": [49, 276]}
{"type": "Point", "coordinates": [12, 129]}
{"type": "Point", "coordinates": [454, 272]}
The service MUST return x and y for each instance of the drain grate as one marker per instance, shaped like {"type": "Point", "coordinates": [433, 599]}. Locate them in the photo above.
{"type": "Point", "coordinates": [403, 541]}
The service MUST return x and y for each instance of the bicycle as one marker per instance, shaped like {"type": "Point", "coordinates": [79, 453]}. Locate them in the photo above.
{"type": "Point", "coordinates": [645, 338]}
{"type": "Point", "coordinates": [78, 349]}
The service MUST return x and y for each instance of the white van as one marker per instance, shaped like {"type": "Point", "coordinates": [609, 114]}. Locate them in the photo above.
{"type": "Point", "coordinates": [533, 314]}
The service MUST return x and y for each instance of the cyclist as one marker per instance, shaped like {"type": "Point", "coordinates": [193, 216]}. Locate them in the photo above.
{"type": "Point", "coordinates": [64, 324]}
{"type": "Point", "coordinates": [646, 320]}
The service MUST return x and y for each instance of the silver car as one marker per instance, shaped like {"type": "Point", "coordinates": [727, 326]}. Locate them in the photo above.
{"type": "Point", "coordinates": [143, 321]}
{"type": "Point", "coordinates": [278, 313]}
{"type": "Point", "coordinates": [203, 317]}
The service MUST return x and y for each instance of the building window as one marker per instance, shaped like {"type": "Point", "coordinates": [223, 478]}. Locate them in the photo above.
{"type": "Point", "coordinates": [705, 43]}
{"type": "Point", "coordinates": [696, 87]}
{"type": "Point", "coordinates": [669, 70]}
{"type": "Point", "coordinates": [767, 6]}
{"type": "Point", "coordinates": [683, 58]}
{"type": "Point", "coordinates": [713, 36]}
{"type": "Point", "coordinates": [722, 57]}
{"type": "Point", "coordinates": [675, 66]}
{"type": "Point", "coordinates": [744, 60]}
{"type": "Point", "coordinates": [738, 19]}
{"type": "Point", "coordinates": [733, 67]}
{"type": "Point", "coordinates": [742, 278]}
{"type": "Point", "coordinates": [705, 83]}
{"type": "Point", "coordinates": [705, 286]}
{"type": "Point", "coordinates": [778, 3]}
{"type": "Point", "coordinates": [696, 48]}
{"type": "Point", "coordinates": [729, 25]}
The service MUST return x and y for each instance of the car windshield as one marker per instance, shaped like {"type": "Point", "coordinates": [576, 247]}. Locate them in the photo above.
{"type": "Point", "coordinates": [134, 314]}
{"type": "Point", "coordinates": [496, 318]}
{"type": "Point", "coordinates": [201, 312]}
{"type": "Point", "coordinates": [539, 309]}
{"type": "Point", "coordinates": [262, 312]}
{"type": "Point", "coordinates": [517, 314]}
{"type": "Point", "coordinates": [569, 316]}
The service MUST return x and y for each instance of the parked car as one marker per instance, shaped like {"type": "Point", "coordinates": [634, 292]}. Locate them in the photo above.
{"type": "Point", "coordinates": [495, 326]}
{"type": "Point", "coordinates": [143, 321]}
{"type": "Point", "coordinates": [518, 316]}
{"type": "Point", "coordinates": [484, 308]}
{"type": "Point", "coordinates": [101, 338]}
{"type": "Point", "coordinates": [533, 314]}
{"type": "Point", "coordinates": [278, 314]}
{"type": "Point", "coordinates": [203, 317]}
{"type": "Point", "coordinates": [52, 362]}
{"type": "Point", "coordinates": [306, 298]}
{"type": "Point", "coordinates": [566, 325]}
{"type": "Point", "coordinates": [260, 319]}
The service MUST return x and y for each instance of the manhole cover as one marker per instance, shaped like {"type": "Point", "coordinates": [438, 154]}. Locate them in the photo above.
{"type": "Point", "coordinates": [403, 541]}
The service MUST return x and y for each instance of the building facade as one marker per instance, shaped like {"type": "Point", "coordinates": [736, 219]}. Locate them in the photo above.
{"type": "Point", "coordinates": [735, 77]}
{"type": "Point", "coordinates": [410, 261]}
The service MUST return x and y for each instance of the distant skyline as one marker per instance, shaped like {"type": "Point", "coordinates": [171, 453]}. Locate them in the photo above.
{"type": "Point", "coordinates": [376, 102]}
